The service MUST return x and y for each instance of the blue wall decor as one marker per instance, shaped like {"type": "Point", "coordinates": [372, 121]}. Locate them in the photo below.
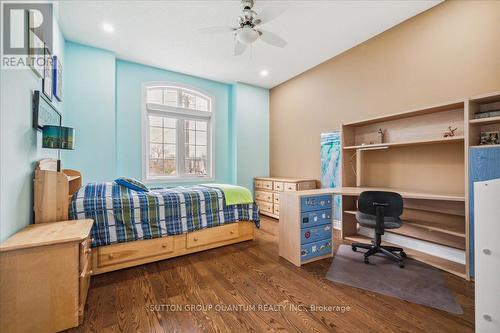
{"type": "Point", "coordinates": [330, 168]}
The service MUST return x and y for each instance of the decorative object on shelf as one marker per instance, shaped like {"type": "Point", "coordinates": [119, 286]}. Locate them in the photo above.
{"type": "Point", "coordinates": [490, 138]}
{"type": "Point", "coordinates": [57, 76]}
{"type": "Point", "coordinates": [381, 134]}
{"type": "Point", "coordinates": [47, 74]}
{"type": "Point", "coordinates": [450, 132]}
{"type": "Point", "coordinates": [58, 137]}
{"type": "Point", "coordinates": [36, 55]}
{"type": "Point", "coordinates": [44, 113]}
{"type": "Point", "coordinates": [330, 152]}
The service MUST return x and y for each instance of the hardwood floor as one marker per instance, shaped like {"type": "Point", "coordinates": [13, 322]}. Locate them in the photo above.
{"type": "Point", "coordinates": [252, 273]}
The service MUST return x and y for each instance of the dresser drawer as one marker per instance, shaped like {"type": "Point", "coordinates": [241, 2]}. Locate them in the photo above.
{"type": "Point", "coordinates": [276, 198]}
{"type": "Point", "coordinates": [315, 203]}
{"type": "Point", "coordinates": [289, 187]}
{"type": "Point", "coordinates": [314, 218]}
{"type": "Point", "coordinates": [212, 235]}
{"type": "Point", "coordinates": [264, 196]}
{"type": "Point", "coordinates": [315, 249]}
{"type": "Point", "coordinates": [278, 186]}
{"type": "Point", "coordinates": [264, 184]}
{"type": "Point", "coordinates": [265, 206]}
{"type": "Point", "coordinates": [124, 252]}
{"type": "Point", "coordinates": [276, 209]}
{"type": "Point", "coordinates": [314, 234]}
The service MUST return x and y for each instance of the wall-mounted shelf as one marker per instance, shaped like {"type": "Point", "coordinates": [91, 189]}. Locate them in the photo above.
{"type": "Point", "coordinates": [485, 146]}
{"type": "Point", "coordinates": [457, 138]}
{"type": "Point", "coordinates": [485, 121]}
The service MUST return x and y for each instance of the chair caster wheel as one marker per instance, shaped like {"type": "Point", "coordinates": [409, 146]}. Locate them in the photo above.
{"type": "Point", "coordinates": [366, 261]}
{"type": "Point", "coordinates": [354, 248]}
{"type": "Point", "coordinates": [401, 265]}
{"type": "Point", "coordinates": [403, 254]}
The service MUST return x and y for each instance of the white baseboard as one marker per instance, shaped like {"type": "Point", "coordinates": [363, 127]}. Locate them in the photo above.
{"type": "Point", "coordinates": [437, 250]}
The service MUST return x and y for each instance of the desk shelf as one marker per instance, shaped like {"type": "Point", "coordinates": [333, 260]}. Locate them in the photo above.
{"type": "Point", "coordinates": [457, 138]}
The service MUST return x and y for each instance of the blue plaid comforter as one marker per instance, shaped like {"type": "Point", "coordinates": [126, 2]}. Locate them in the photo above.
{"type": "Point", "coordinates": [123, 215]}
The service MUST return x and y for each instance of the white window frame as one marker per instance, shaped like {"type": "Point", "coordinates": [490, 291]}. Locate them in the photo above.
{"type": "Point", "coordinates": [182, 114]}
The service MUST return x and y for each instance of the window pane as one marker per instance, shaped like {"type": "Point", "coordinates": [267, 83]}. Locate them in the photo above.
{"type": "Point", "coordinates": [190, 124]}
{"type": "Point", "coordinates": [169, 122]}
{"type": "Point", "coordinates": [201, 104]}
{"type": "Point", "coordinates": [190, 151]}
{"type": "Point", "coordinates": [188, 101]}
{"type": "Point", "coordinates": [169, 167]}
{"type": "Point", "coordinates": [156, 167]}
{"type": "Point", "coordinates": [169, 135]}
{"type": "Point", "coordinates": [201, 125]}
{"type": "Point", "coordinates": [169, 151]}
{"type": "Point", "coordinates": [196, 167]}
{"type": "Point", "coordinates": [155, 150]}
{"type": "Point", "coordinates": [201, 151]}
{"type": "Point", "coordinates": [190, 137]}
{"type": "Point", "coordinates": [171, 97]}
{"type": "Point", "coordinates": [155, 121]}
{"type": "Point", "coordinates": [155, 134]}
{"type": "Point", "coordinates": [201, 138]}
{"type": "Point", "coordinates": [155, 96]}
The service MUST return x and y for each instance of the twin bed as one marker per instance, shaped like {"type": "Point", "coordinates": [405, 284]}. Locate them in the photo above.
{"type": "Point", "coordinates": [134, 227]}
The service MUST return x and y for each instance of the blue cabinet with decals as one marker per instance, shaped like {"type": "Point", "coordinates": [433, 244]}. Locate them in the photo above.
{"type": "Point", "coordinates": [315, 227]}
{"type": "Point", "coordinates": [305, 226]}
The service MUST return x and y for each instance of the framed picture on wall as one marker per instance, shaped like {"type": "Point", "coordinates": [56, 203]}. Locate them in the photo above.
{"type": "Point", "coordinates": [44, 113]}
{"type": "Point", "coordinates": [57, 78]}
{"type": "Point", "coordinates": [47, 75]}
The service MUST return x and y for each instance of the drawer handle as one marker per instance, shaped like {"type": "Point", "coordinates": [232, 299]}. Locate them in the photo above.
{"type": "Point", "coordinates": [87, 251]}
{"type": "Point", "coordinates": [231, 232]}
{"type": "Point", "coordinates": [164, 246]}
{"type": "Point", "coordinates": [195, 239]}
{"type": "Point", "coordinates": [487, 317]}
{"type": "Point", "coordinates": [111, 256]}
{"type": "Point", "coordinates": [487, 251]}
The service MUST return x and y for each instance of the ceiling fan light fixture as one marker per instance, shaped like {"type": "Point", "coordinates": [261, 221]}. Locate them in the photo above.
{"type": "Point", "coordinates": [247, 35]}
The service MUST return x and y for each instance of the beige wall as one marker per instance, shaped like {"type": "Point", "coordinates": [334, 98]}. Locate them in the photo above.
{"type": "Point", "coordinates": [450, 52]}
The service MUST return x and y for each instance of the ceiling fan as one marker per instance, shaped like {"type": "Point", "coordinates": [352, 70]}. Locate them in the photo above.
{"type": "Point", "coordinates": [247, 33]}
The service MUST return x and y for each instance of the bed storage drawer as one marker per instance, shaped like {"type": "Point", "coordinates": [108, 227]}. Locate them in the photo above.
{"type": "Point", "coordinates": [124, 252]}
{"type": "Point", "coordinates": [316, 249]}
{"type": "Point", "coordinates": [212, 235]}
{"type": "Point", "coordinates": [314, 234]}
{"type": "Point", "coordinates": [264, 196]}
{"type": "Point", "coordinates": [319, 217]}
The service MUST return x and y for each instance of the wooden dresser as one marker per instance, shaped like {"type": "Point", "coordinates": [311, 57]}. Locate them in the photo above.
{"type": "Point", "coordinates": [44, 277]}
{"type": "Point", "coordinates": [268, 189]}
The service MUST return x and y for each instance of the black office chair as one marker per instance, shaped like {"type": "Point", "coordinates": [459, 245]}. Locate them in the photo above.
{"type": "Point", "coordinates": [380, 210]}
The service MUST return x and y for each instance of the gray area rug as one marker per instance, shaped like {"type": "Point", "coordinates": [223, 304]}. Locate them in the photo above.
{"type": "Point", "coordinates": [417, 282]}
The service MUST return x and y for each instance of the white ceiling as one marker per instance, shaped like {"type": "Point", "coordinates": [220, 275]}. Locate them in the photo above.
{"type": "Point", "coordinates": [165, 34]}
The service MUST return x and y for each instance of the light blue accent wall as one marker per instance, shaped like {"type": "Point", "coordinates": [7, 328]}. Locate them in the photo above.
{"type": "Point", "coordinates": [20, 144]}
{"type": "Point", "coordinates": [89, 85]}
{"type": "Point", "coordinates": [130, 78]}
{"type": "Point", "coordinates": [250, 133]}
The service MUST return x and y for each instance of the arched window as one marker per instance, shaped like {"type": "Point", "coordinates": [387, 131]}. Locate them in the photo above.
{"type": "Point", "coordinates": [177, 133]}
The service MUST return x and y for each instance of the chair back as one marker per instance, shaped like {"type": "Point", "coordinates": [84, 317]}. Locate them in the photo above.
{"type": "Point", "coordinates": [391, 201]}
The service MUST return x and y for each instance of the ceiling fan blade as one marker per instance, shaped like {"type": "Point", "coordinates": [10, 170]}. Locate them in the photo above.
{"type": "Point", "coordinates": [239, 48]}
{"type": "Point", "coordinates": [269, 14]}
{"type": "Point", "coordinates": [271, 38]}
{"type": "Point", "coordinates": [216, 30]}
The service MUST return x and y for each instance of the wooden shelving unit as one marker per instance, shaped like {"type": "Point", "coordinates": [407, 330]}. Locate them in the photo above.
{"type": "Point", "coordinates": [477, 125]}
{"type": "Point", "coordinates": [428, 169]}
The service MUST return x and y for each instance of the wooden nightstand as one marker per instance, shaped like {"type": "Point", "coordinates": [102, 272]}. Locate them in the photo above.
{"type": "Point", "coordinates": [44, 277]}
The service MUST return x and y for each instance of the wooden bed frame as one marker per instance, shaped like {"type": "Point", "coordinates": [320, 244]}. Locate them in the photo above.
{"type": "Point", "coordinates": [51, 201]}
